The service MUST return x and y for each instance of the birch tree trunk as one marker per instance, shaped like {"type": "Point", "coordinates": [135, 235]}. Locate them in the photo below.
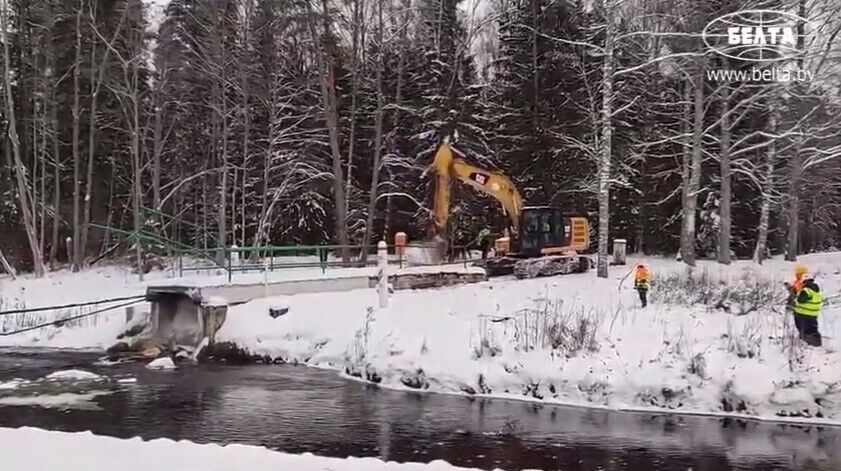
{"type": "Point", "coordinates": [157, 142]}
{"type": "Point", "coordinates": [223, 107]}
{"type": "Point", "coordinates": [246, 111]}
{"type": "Point", "coordinates": [796, 165]}
{"type": "Point", "coordinates": [725, 190]}
{"type": "Point", "coordinates": [606, 144]}
{"type": "Point", "coordinates": [692, 185]}
{"type": "Point", "coordinates": [19, 170]}
{"type": "Point", "coordinates": [135, 153]}
{"type": "Point", "coordinates": [794, 180]}
{"type": "Point", "coordinates": [77, 176]}
{"type": "Point", "coordinates": [56, 175]}
{"type": "Point", "coordinates": [759, 253]}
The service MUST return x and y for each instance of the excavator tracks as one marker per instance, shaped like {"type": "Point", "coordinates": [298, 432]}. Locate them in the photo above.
{"type": "Point", "coordinates": [550, 266]}
{"type": "Point", "coordinates": [526, 268]}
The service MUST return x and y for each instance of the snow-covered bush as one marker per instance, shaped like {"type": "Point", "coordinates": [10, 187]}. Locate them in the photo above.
{"type": "Point", "coordinates": [551, 325]}
{"type": "Point", "coordinates": [748, 342]}
{"type": "Point", "coordinates": [739, 295]}
{"type": "Point", "coordinates": [358, 351]}
{"type": "Point", "coordinates": [485, 342]}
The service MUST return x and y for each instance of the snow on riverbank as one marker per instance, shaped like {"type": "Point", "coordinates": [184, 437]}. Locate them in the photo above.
{"type": "Point", "coordinates": [100, 330]}
{"type": "Point", "coordinates": [572, 339]}
{"type": "Point", "coordinates": [87, 452]}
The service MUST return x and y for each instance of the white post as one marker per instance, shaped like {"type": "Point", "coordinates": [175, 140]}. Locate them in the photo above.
{"type": "Point", "coordinates": [265, 277]}
{"type": "Point", "coordinates": [382, 264]}
{"type": "Point", "coordinates": [619, 246]}
{"type": "Point", "coordinates": [234, 255]}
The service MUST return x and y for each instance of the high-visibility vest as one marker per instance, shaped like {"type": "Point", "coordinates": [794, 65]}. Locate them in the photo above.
{"type": "Point", "coordinates": [641, 279]}
{"type": "Point", "coordinates": [812, 307]}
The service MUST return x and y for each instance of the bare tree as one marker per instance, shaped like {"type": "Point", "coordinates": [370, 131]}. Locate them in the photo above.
{"type": "Point", "coordinates": [128, 92]}
{"type": "Point", "coordinates": [760, 252]}
{"type": "Point", "coordinates": [378, 137]}
{"type": "Point", "coordinates": [77, 110]}
{"type": "Point", "coordinates": [96, 79]}
{"type": "Point", "coordinates": [324, 57]}
{"type": "Point", "coordinates": [606, 150]}
{"type": "Point", "coordinates": [726, 179]}
{"type": "Point", "coordinates": [692, 176]}
{"type": "Point", "coordinates": [21, 180]}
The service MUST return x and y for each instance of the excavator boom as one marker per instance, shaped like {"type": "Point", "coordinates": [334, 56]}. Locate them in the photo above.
{"type": "Point", "coordinates": [448, 164]}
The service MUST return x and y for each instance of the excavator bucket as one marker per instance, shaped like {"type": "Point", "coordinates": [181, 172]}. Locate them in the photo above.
{"type": "Point", "coordinates": [432, 252]}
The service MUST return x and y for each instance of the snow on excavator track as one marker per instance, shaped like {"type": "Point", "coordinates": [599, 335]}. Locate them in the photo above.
{"type": "Point", "coordinates": [524, 268]}
{"type": "Point", "coordinates": [550, 266]}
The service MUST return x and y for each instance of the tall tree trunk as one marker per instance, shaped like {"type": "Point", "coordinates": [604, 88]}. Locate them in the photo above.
{"type": "Point", "coordinates": [726, 177]}
{"type": "Point", "coordinates": [77, 176]}
{"type": "Point", "coordinates": [56, 178]}
{"type": "Point", "coordinates": [761, 249]}
{"type": "Point", "coordinates": [794, 180]}
{"type": "Point", "coordinates": [796, 165]}
{"type": "Point", "coordinates": [96, 78]}
{"type": "Point", "coordinates": [246, 134]}
{"type": "Point", "coordinates": [137, 202]}
{"type": "Point", "coordinates": [19, 170]}
{"type": "Point", "coordinates": [245, 86]}
{"type": "Point", "coordinates": [398, 101]}
{"type": "Point", "coordinates": [331, 112]}
{"type": "Point", "coordinates": [223, 106]}
{"type": "Point", "coordinates": [157, 144]}
{"type": "Point", "coordinates": [690, 208]}
{"type": "Point", "coordinates": [535, 14]}
{"type": "Point", "coordinates": [43, 157]}
{"type": "Point", "coordinates": [606, 141]}
{"type": "Point", "coordinates": [378, 138]}
{"type": "Point", "coordinates": [358, 8]}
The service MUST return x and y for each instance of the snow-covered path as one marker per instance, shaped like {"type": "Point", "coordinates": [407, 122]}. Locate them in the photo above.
{"type": "Point", "coordinates": [33, 449]}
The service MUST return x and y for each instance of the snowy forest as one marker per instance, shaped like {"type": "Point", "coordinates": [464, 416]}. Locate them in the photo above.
{"type": "Point", "coordinates": [252, 122]}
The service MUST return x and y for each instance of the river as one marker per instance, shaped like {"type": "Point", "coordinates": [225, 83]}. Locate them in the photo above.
{"type": "Point", "coordinates": [299, 409]}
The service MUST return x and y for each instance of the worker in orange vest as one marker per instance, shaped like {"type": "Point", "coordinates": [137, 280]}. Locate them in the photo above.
{"type": "Point", "coordinates": [642, 281]}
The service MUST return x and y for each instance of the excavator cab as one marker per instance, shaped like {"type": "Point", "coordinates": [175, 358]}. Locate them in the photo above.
{"type": "Point", "coordinates": [546, 230]}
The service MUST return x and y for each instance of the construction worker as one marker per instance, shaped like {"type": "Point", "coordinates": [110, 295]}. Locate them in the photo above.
{"type": "Point", "coordinates": [642, 281]}
{"type": "Point", "coordinates": [484, 239]}
{"type": "Point", "coordinates": [807, 308]}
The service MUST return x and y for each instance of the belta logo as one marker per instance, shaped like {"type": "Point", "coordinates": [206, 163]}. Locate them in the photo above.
{"type": "Point", "coordinates": [757, 35]}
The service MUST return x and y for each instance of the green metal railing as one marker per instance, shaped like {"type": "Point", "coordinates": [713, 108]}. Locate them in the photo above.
{"type": "Point", "coordinates": [273, 258]}
{"type": "Point", "coordinates": [269, 257]}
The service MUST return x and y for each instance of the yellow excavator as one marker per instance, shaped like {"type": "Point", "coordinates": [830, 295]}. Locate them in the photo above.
{"type": "Point", "coordinates": [543, 240]}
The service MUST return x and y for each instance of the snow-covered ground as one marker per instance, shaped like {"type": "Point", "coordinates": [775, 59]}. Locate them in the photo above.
{"type": "Point", "coordinates": [35, 449]}
{"type": "Point", "coordinates": [572, 339]}
{"type": "Point", "coordinates": [99, 331]}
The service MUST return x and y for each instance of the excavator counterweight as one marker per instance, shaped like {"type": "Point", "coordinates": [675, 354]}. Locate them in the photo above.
{"type": "Point", "coordinates": [544, 241]}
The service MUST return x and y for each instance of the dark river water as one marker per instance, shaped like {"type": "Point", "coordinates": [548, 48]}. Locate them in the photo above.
{"type": "Point", "coordinates": [297, 409]}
